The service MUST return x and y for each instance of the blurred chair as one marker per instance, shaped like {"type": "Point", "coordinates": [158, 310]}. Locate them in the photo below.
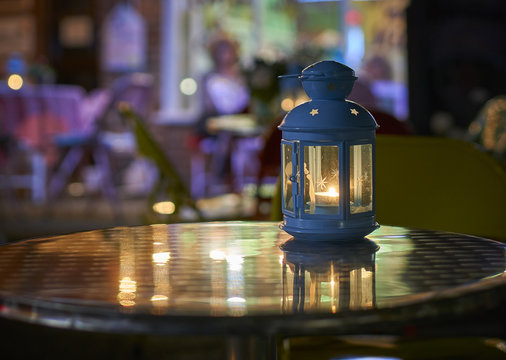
{"type": "Point", "coordinates": [169, 180]}
{"type": "Point", "coordinates": [21, 168]}
{"type": "Point", "coordinates": [22, 162]}
{"type": "Point", "coordinates": [90, 141]}
{"type": "Point", "coordinates": [389, 124]}
{"type": "Point", "coordinates": [226, 161]}
{"type": "Point", "coordinates": [438, 184]}
{"type": "Point", "coordinates": [269, 158]}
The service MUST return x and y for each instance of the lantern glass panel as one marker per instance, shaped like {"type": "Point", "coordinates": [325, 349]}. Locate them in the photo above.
{"type": "Point", "coordinates": [321, 180]}
{"type": "Point", "coordinates": [361, 178]}
{"type": "Point", "coordinates": [287, 174]}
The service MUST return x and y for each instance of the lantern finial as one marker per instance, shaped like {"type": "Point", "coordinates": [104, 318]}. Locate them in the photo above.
{"type": "Point", "coordinates": [328, 80]}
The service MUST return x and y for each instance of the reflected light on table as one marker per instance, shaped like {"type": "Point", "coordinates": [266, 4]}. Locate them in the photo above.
{"type": "Point", "coordinates": [161, 270]}
{"type": "Point", "coordinates": [232, 285]}
{"type": "Point", "coordinates": [127, 289]}
{"type": "Point", "coordinates": [235, 285]}
{"type": "Point", "coordinates": [237, 300]}
{"type": "Point", "coordinates": [127, 284]}
{"type": "Point", "coordinates": [217, 255]}
{"type": "Point", "coordinates": [161, 258]}
{"type": "Point", "coordinates": [235, 262]}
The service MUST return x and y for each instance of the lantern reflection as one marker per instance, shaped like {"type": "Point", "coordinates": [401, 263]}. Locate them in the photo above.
{"type": "Point", "coordinates": [325, 276]}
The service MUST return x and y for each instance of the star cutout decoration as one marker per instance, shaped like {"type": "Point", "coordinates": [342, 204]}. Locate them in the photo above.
{"type": "Point", "coordinates": [314, 112]}
{"type": "Point", "coordinates": [354, 111]}
{"type": "Point", "coordinates": [322, 183]}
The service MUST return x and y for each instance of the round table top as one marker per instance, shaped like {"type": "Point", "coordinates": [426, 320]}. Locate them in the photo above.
{"type": "Point", "coordinates": [181, 278]}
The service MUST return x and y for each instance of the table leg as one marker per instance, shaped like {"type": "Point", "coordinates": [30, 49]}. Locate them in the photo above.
{"type": "Point", "coordinates": [252, 347]}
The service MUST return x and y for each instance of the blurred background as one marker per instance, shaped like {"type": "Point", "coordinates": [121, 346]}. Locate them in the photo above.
{"type": "Point", "coordinates": [132, 112]}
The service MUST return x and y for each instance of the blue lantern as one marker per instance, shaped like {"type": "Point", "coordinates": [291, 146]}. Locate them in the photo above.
{"type": "Point", "coordinates": [328, 151]}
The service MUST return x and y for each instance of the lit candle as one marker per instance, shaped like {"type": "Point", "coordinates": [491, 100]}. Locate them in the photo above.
{"type": "Point", "coordinates": [327, 198]}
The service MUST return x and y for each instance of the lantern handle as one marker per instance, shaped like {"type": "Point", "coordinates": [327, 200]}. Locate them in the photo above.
{"type": "Point", "coordinates": [288, 76]}
{"type": "Point", "coordinates": [317, 76]}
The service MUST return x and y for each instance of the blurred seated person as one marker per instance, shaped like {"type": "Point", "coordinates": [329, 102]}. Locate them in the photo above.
{"type": "Point", "coordinates": [374, 69]}
{"type": "Point", "coordinates": [224, 88]}
{"type": "Point", "coordinates": [225, 105]}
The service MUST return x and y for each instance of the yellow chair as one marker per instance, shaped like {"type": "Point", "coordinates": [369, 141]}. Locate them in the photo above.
{"type": "Point", "coordinates": [440, 184]}
{"type": "Point", "coordinates": [436, 183]}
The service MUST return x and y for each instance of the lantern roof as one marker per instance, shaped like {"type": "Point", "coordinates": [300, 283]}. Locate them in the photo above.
{"type": "Point", "coordinates": [328, 83]}
{"type": "Point", "coordinates": [325, 115]}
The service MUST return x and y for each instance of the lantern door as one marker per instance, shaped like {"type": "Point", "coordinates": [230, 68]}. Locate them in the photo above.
{"type": "Point", "coordinates": [322, 179]}
{"type": "Point", "coordinates": [361, 178]}
{"type": "Point", "coordinates": [291, 177]}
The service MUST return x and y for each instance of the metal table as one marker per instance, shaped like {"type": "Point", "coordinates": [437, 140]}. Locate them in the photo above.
{"type": "Point", "coordinates": [251, 283]}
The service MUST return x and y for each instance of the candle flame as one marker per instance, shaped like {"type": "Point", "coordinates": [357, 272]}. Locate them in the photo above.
{"type": "Point", "coordinates": [332, 191]}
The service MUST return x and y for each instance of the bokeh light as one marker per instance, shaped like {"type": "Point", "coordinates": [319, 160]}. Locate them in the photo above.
{"type": "Point", "coordinates": [188, 86]}
{"type": "Point", "coordinates": [287, 104]}
{"type": "Point", "coordinates": [164, 207]}
{"type": "Point", "coordinates": [15, 81]}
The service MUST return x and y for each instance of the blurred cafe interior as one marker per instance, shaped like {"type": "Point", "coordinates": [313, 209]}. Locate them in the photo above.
{"type": "Point", "coordinates": [141, 179]}
{"type": "Point", "coordinates": [117, 113]}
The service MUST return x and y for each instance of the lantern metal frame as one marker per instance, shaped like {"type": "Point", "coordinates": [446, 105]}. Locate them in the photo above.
{"type": "Point", "coordinates": [327, 120]}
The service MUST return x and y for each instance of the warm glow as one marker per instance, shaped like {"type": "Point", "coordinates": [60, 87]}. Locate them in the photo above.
{"type": "Point", "coordinates": [330, 197]}
{"type": "Point", "coordinates": [159, 298]}
{"type": "Point", "coordinates": [164, 207]}
{"type": "Point", "coordinates": [161, 258]}
{"type": "Point", "coordinates": [188, 86]}
{"type": "Point", "coordinates": [15, 81]}
{"type": "Point", "coordinates": [287, 104]}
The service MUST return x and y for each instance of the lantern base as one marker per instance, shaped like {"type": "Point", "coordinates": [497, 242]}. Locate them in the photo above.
{"type": "Point", "coordinates": [325, 231]}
